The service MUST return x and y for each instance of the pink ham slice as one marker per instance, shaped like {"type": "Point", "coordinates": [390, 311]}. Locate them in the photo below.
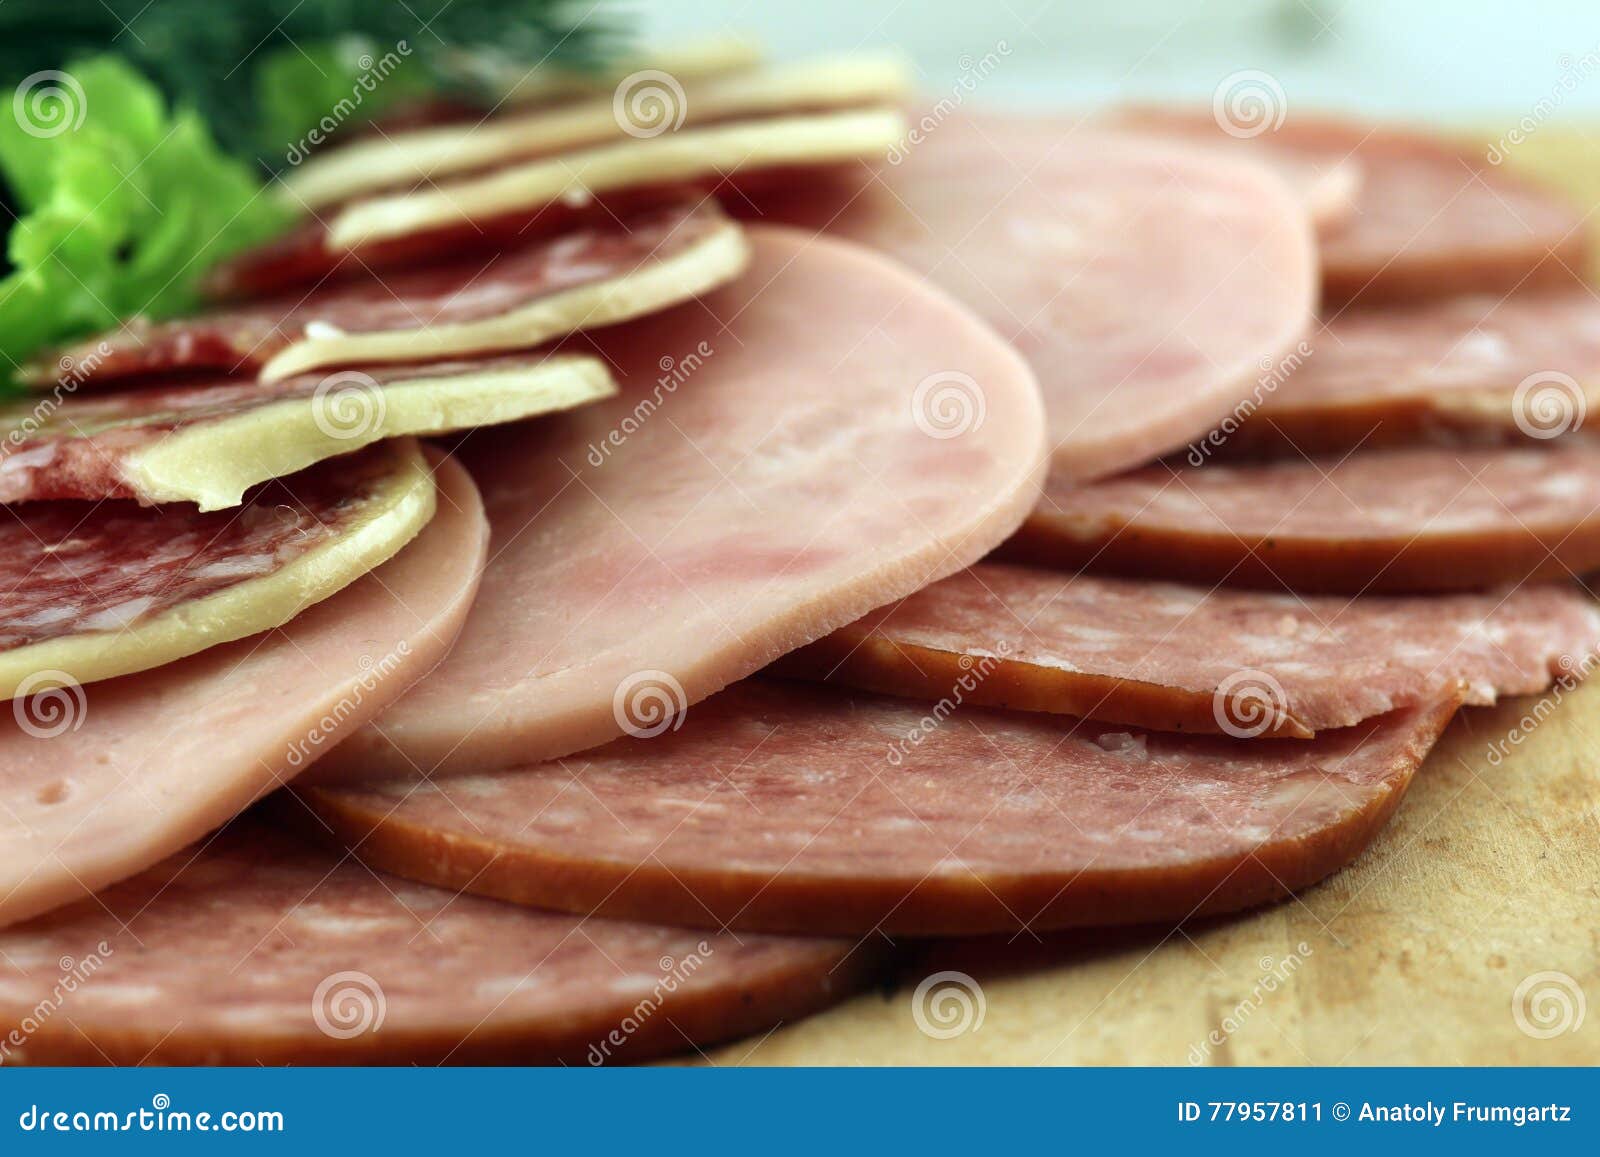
{"type": "Point", "coordinates": [1404, 520]}
{"type": "Point", "coordinates": [1464, 368]}
{"type": "Point", "coordinates": [1431, 219]}
{"type": "Point", "coordinates": [824, 436]}
{"type": "Point", "coordinates": [423, 304]}
{"type": "Point", "coordinates": [1326, 183]}
{"type": "Point", "coordinates": [260, 949]}
{"type": "Point", "coordinates": [97, 783]}
{"type": "Point", "coordinates": [1149, 284]}
{"type": "Point", "coordinates": [1180, 658]}
{"type": "Point", "coordinates": [784, 807]}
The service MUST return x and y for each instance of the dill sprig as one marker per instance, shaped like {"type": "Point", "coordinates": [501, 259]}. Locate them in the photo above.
{"type": "Point", "coordinates": [208, 55]}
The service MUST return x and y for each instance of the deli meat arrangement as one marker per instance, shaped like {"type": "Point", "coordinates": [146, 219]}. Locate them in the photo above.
{"type": "Point", "coordinates": [579, 564]}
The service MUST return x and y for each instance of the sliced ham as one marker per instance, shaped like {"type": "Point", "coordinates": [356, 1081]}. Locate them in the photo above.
{"type": "Point", "coordinates": [824, 436]}
{"type": "Point", "coordinates": [784, 807]}
{"type": "Point", "coordinates": [1181, 658]}
{"type": "Point", "coordinates": [1474, 368]}
{"type": "Point", "coordinates": [1327, 183]}
{"type": "Point", "coordinates": [1432, 218]}
{"type": "Point", "coordinates": [99, 783]}
{"type": "Point", "coordinates": [1148, 283]}
{"type": "Point", "coordinates": [93, 592]}
{"type": "Point", "coordinates": [483, 212]}
{"type": "Point", "coordinates": [513, 298]}
{"type": "Point", "coordinates": [208, 440]}
{"type": "Point", "coordinates": [260, 949]}
{"type": "Point", "coordinates": [1401, 520]}
{"type": "Point", "coordinates": [646, 104]}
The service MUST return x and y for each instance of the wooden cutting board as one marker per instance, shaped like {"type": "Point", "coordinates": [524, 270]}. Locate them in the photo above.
{"type": "Point", "coordinates": [1468, 934]}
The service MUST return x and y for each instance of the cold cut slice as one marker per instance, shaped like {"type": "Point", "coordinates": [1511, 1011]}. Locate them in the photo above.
{"type": "Point", "coordinates": [99, 591]}
{"type": "Point", "coordinates": [260, 949]}
{"type": "Point", "coordinates": [1418, 519]}
{"type": "Point", "coordinates": [646, 104]}
{"type": "Point", "coordinates": [545, 196]}
{"type": "Point", "coordinates": [1148, 283]}
{"type": "Point", "coordinates": [1461, 369]}
{"type": "Point", "coordinates": [824, 436]}
{"type": "Point", "coordinates": [1432, 218]}
{"type": "Point", "coordinates": [1327, 183]}
{"type": "Point", "coordinates": [780, 806]}
{"type": "Point", "coordinates": [208, 441]}
{"type": "Point", "coordinates": [98, 783]}
{"type": "Point", "coordinates": [516, 298]}
{"type": "Point", "coordinates": [1180, 658]}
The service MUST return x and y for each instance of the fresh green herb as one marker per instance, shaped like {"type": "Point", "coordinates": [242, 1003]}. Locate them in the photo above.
{"type": "Point", "coordinates": [122, 205]}
{"type": "Point", "coordinates": [116, 160]}
{"type": "Point", "coordinates": [302, 56]}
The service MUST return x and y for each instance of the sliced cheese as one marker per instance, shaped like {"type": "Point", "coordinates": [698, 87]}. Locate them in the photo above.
{"type": "Point", "coordinates": [212, 462]}
{"type": "Point", "coordinates": [408, 158]}
{"type": "Point", "coordinates": [574, 178]}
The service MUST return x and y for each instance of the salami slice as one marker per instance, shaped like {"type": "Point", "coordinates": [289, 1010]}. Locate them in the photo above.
{"type": "Point", "coordinates": [784, 807]}
{"type": "Point", "coordinates": [639, 106]}
{"type": "Point", "coordinates": [207, 441]}
{"type": "Point", "coordinates": [482, 212]}
{"type": "Point", "coordinates": [313, 959]}
{"type": "Point", "coordinates": [1432, 218]}
{"type": "Point", "coordinates": [1180, 658]}
{"type": "Point", "coordinates": [104, 590]}
{"type": "Point", "coordinates": [103, 781]}
{"type": "Point", "coordinates": [516, 298]}
{"type": "Point", "coordinates": [1148, 283]}
{"type": "Point", "coordinates": [824, 436]}
{"type": "Point", "coordinates": [1401, 520]}
{"type": "Point", "coordinates": [1470, 368]}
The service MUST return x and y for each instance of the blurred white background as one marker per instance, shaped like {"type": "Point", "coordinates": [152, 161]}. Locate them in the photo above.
{"type": "Point", "coordinates": [1433, 60]}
